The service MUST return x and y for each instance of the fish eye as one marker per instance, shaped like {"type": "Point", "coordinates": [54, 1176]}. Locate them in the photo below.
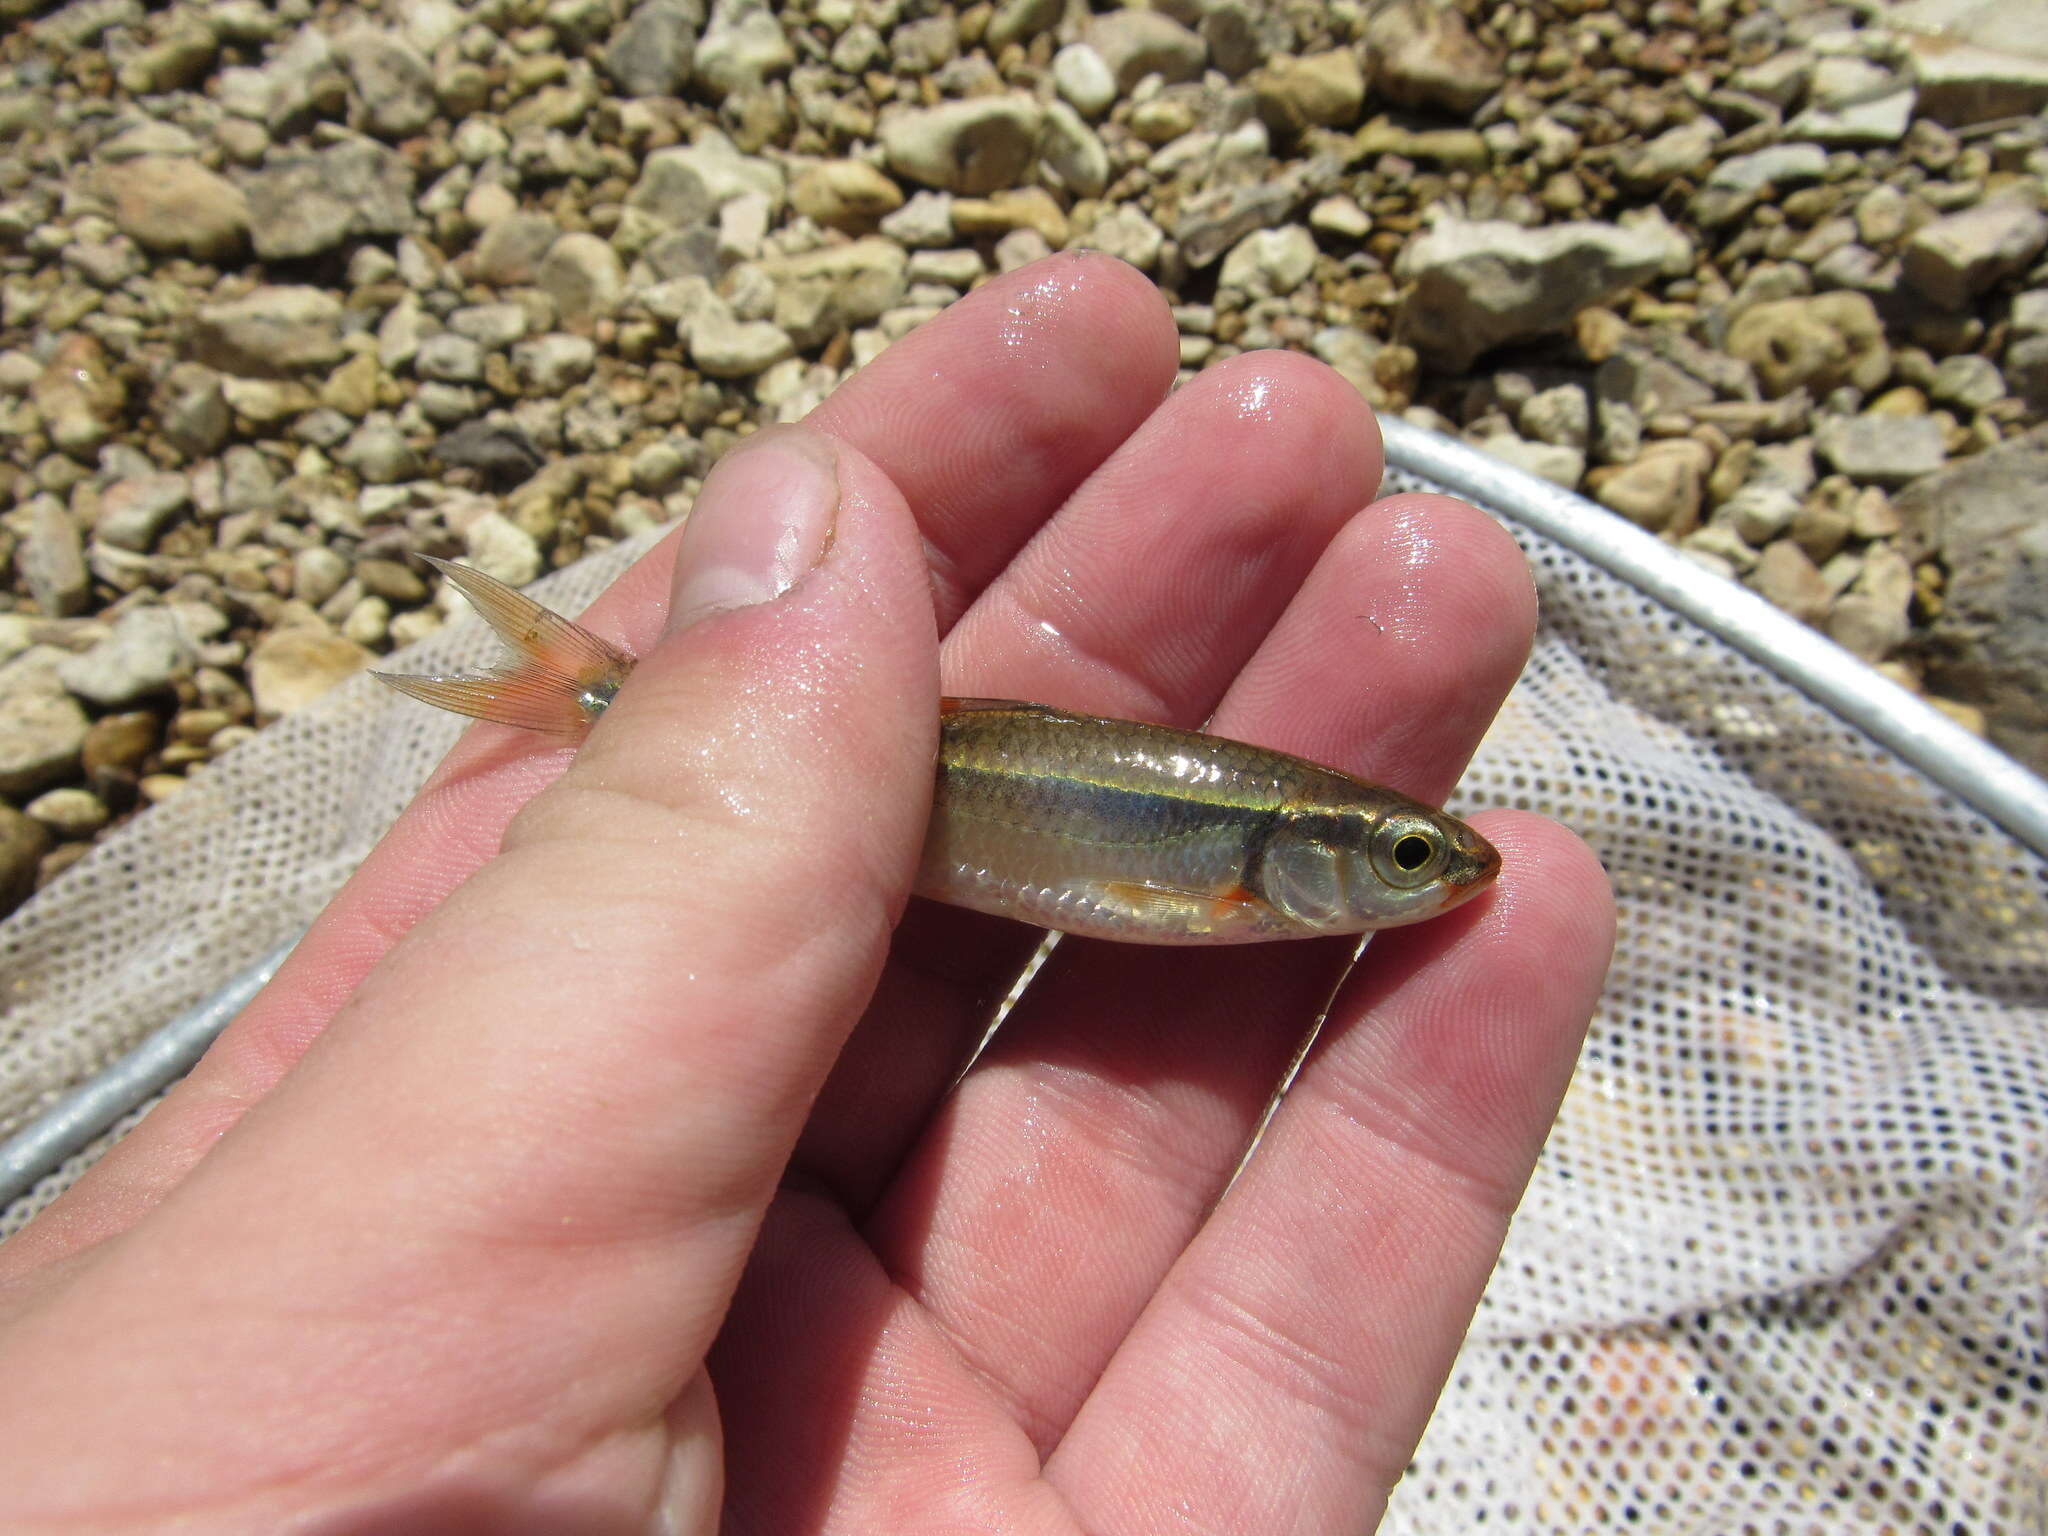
{"type": "Point", "coordinates": [1409, 852]}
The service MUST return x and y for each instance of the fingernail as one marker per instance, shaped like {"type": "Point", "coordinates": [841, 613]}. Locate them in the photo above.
{"type": "Point", "coordinates": [763, 520]}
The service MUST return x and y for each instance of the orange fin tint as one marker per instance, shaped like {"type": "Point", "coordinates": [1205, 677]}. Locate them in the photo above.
{"type": "Point", "coordinates": [559, 681]}
{"type": "Point", "coordinates": [1167, 902]}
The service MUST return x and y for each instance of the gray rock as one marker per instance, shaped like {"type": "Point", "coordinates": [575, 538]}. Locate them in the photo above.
{"type": "Point", "coordinates": [1676, 152]}
{"type": "Point", "coordinates": [926, 221]}
{"type": "Point", "coordinates": [1967, 380]}
{"type": "Point", "coordinates": [82, 23]}
{"type": "Point", "coordinates": [1125, 233]}
{"type": "Point", "coordinates": [2026, 365]}
{"type": "Point", "coordinates": [1073, 153]}
{"type": "Point", "coordinates": [1872, 618]}
{"type": "Point", "coordinates": [1270, 262]}
{"type": "Point", "coordinates": [497, 450]}
{"type": "Point", "coordinates": [510, 251]}
{"type": "Point", "coordinates": [1137, 43]}
{"type": "Point", "coordinates": [41, 734]}
{"type": "Point", "coordinates": [1480, 284]}
{"type": "Point", "coordinates": [1788, 580]}
{"type": "Point", "coordinates": [177, 206]}
{"type": "Point", "coordinates": [450, 358]}
{"type": "Point", "coordinates": [133, 512]}
{"type": "Point", "coordinates": [303, 204]}
{"type": "Point", "coordinates": [651, 54]}
{"type": "Point", "coordinates": [1216, 218]}
{"type": "Point", "coordinates": [1082, 77]}
{"type": "Point", "coordinates": [742, 46]}
{"type": "Point", "coordinates": [147, 651]}
{"type": "Point", "coordinates": [555, 362]}
{"type": "Point", "coordinates": [1558, 464]}
{"type": "Point", "coordinates": [1954, 259]}
{"type": "Point", "coordinates": [983, 144]}
{"type": "Point", "coordinates": [493, 327]}
{"type": "Point", "coordinates": [1989, 645]}
{"type": "Point", "coordinates": [1018, 21]}
{"type": "Point", "coordinates": [192, 410]}
{"type": "Point", "coordinates": [583, 275]}
{"type": "Point", "coordinates": [823, 292]}
{"type": "Point", "coordinates": [726, 348]}
{"type": "Point", "coordinates": [51, 559]}
{"type": "Point", "coordinates": [1738, 184]}
{"type": "Point", "coordinates": [1425, 56]}
{"type": "Point", "coordinates": [501, 548]}
{"type": "Point", "coordinates": [379, 452]}
{"type": "Point", "coordinates": [271, 332]}
{"type": "Point", "coordinates": [1882, 450]}
{"type": "Point", "coordinates": [395, 84]}
{"type": "Point", "coordinates": [688, 184]}
{"type": "Point", "coordinates": [1563, 416]}
{"type": "Point", "coordinates": [1961, 85]}
{"type": "Point", "coordinates": [1648, 384]}
{"type": "Point", "coordinates": [1857, 124]}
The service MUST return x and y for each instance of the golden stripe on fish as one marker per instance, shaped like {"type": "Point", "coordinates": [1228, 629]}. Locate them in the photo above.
{"type": "Point", "coordinates": [1113, 829]}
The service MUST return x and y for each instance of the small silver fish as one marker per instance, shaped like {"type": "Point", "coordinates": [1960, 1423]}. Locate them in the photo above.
{"type": "Point", "coordinates": [1113, 829]}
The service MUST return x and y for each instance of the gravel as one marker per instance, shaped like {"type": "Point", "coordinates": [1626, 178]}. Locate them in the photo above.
{"type": "Point", "coordinates": [291, 294]}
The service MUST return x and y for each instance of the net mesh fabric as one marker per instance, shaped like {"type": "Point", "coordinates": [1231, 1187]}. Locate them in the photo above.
{"type": "Point", "coordinates": [1781, 1267]}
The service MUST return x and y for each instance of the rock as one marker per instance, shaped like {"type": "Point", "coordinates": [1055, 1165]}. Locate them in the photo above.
{"type": "Point", "coordinates": [304, 204]}
{"type": "Point", "coordinates": [583, 275]}
{"type": "Point", "coordinates": [395, 84]}
{"type": "Point", "coordinates": [822, 292]}
{"type": "Point", "coordinates": [147, 651]}
{"type": "Point", "coordinates": [509, 252]}
{"type": "Point", "coordinates": [178, 60]}
{"type": "Point", "coordinates": [726, 348]}
{"type": "Point", "coordinates": [1425, 56]}
{"type": "Point", "coordinates": [1073, 153]}
{"type": "Point", "coordinates": [1883, 449]}
{"type": "Point", "coordinates": [1662, 490]}
{"type": "Point", "coordinates": [290, 668]}
{"type": "Point", "coordinates": [51, 560]}
{"type": "Point", "coordinates": [379, 452]}
{"type": "Point", "coordinates": [1214, 220]}
{"type": "Point", "coordinates": [1988, 647]}
{"type": "Point", "coordinates": [501, 548]}
{"type": "Point", "coordinates": [317, 574]}
{"type": "Point", "coordinates": [1961, 85]}
{"type": "Point", "coordinates": [69, 812]}
{"type": "Point", "coordinates": [41, 735]}
{"type": "Point", "coordinates": [192, 410]}
{"type": "Point", "coordinates": [1083, 78]}
{"type": "Point", "coordinates": [1270, 262]}
{"type": "Point", "coordinates": [1136, 43]}
{"type": "Point", "coordinates": [1816, 343]}
{"type": "Point", "coordinates": [1648, 384]}
{"type": "Point", "coordinates": [1019, 248]}
{"type": "Point", "coordinates": [1954, 259]}
{"type": "Point", "coordinates": [117, 745]}
{"type": "Point", "coordinates": [1562, 416]}
{"type": "Point", "coordinates": [1872, 618]}
{"type": "Point", "coordinates": [497, 450]}
{"type": "Point", "coordinates": [493, 327]}
{"type": "Point", "coordinates": [1479, 284]}
{"type": "Point", "coordinates": [23, 842]}
{"type": "Point", "coordinates": [554, 363]}
{"type": "Point", "coordinates": [79, 396]}
{"type": "Point", "coordinates": [1024, 208]}
{"type": "Point", "coordinates": [1676, 152]}
{"type": "Point", "coordinates": [450, 358]}
{"type": "Point", "coordinates": [651, 54]}
{"type": "Point", "coordinates": [1759, 512]}
{"type": "Point", "coordinates": [1852, 102]}
{"type": "Point", "coordinates": [271, 332]}
{"type": "Point", "coordinates": [742, 46]}
{"type": "Point", "coordinates": [133, 512]}
{"type": "Point", "coordinates": [2026, 365]}
{"type": "Point", "coordinates": [1321, 90]}
{"type": "Point", "coordinates": [688, 184]}
{"type": "Point", "coordinates": [1125, 233]}
{"type": "Point", "coordinates": [1968, 381]}
{"type": "Point", "coordinates": [176, 206]}
{"type": "Point", "coordinates": [925, 221]}
{"type": "Point", "coordinates": [844, 194]}
{"type": "Point", "coordinates": [1738, 184]}
{"type": "Point", "coordinates": [1548, 461]}
{"type": "Point", "coordinates": [392, 580]}
{"type": "Point", "coordinates": [1788, 580]}
{"type": "Point", "coordinates": [978, 145]}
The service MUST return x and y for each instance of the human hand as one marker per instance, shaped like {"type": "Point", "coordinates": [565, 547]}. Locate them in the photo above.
{"type": "Point", "coordinates": [590, 1166]}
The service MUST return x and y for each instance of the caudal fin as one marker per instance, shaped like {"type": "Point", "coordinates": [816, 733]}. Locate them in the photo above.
{"type": "Point", "coordinates": [560, 680]}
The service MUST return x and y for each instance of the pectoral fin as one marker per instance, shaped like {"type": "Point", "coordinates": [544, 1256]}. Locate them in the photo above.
{"type": "Point", "coordinates": [1167, 909]}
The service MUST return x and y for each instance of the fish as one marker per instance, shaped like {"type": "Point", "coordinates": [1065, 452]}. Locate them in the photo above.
{"type": "Point", "coordinates": [1095, 827]}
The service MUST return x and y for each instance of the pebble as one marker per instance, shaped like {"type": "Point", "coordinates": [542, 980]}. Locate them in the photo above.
{"type": "Point", "coordinates": [272, 332]}
{"type": "Point", "coordinates": [1270, 262]}
{"type": "Point", "coordinates": [1740, 182]}
{"type": "Point", "coordinates": [844, 194]}
{"type": "Point", "coordinates": [1816, 343]}
{"type": "Point", "coordinates": [393, 82]}
{"type": "Point", "coordinates": [42, 732]}
{"type": "Point", "coordinates": [1787, 579]}
{"type": "Point", "coordinates": [742, 46]}
{"type": "Point", "coordinates": [583, 275]}
{"type": "Point", "coordinates": [980, 145]}
{"type": "Point", "coordinates": [1952, 260]}
{"type": "Point", "coordinates": [290, 668]}
{"type": "Point", "coordinates": [1663, 489]}
{"type": "Point", "coordinates": [510, 251]}
{"type": "Point", "coordinates": [1135, 43]}
{"type": "Point", "coordinates": [305, 204]}
{"type": "Point", "coordinates": [23, 842]}
{"type": "Point", "coordinates": [554, 363]}
{"type": "Point", "coordinates": [1084, 80]}
{"type": "Point", "coordinates": [78, 395]}
{"type": "Point", "coordinates": [1425, 56]}
{"type": "Point", "coordinates": [177, 206]}
{"type": "Point", "coordinates": [51, 559]}
{"type": "Point", "coordinates": [500, 547]}
{"type": "Point", "coordinates": [380, 452]}
{"type": "Point", "coordinates": [727, 348]}
{"type": "Point", "coordinates": [146, 652]}
{"type": "Point", "coordinates": [651, 54]}
{"type": "Point", "coordinates": [1883, 449]}
{"type": "Point", "coordinates": [69, 812]}
{"type": "Point", "coordinates": [133, 512]}
{"type": "Point", "coordinates": [1319, 90]}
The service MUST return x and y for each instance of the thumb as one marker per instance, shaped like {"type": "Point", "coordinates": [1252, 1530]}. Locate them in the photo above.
{"type": "Point", "coordinates": [603, 1044]}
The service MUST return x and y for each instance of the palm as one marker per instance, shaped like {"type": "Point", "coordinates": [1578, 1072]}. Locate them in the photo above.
{"type": "Point", "coordinates": [1009, 1307]}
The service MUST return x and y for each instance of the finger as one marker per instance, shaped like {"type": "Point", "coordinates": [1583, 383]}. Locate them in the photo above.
{"type": "Point", "coordinates": [1014, 396]}
{"type": "Point", "coordinates": [1123, 1088]}
{"type": "Point", "coordinates": [989, 416]}
{"type": "Point", "coordinates": [1313, 1321]}
{"type": "Point", "coordinates": [1141, 598]}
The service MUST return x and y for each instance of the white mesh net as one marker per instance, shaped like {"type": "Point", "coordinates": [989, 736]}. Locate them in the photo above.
{"type": "Point", "coordinates": [1781, 1268]}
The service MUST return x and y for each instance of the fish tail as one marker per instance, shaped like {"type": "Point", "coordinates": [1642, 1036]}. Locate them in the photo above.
{"type": "Point", "coordinates": [561, 676]}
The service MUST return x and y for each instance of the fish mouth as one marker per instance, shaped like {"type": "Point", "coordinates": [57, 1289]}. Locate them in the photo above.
{"type": "Point", "coordinates": [1479, 864]}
